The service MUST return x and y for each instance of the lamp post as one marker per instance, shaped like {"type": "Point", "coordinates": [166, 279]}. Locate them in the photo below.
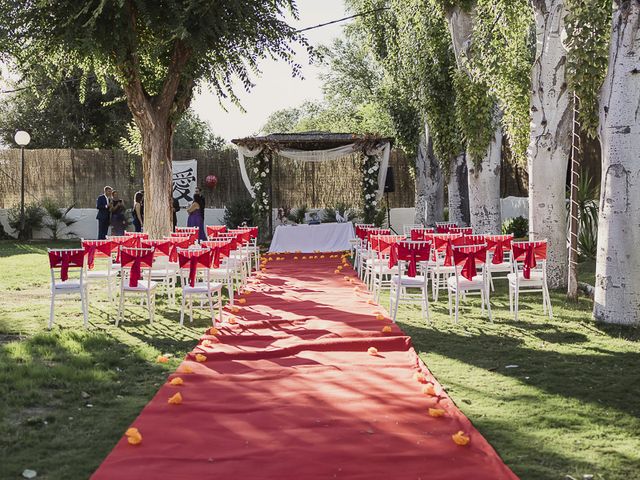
{"type": "Point", "coordinates": [22, 138]}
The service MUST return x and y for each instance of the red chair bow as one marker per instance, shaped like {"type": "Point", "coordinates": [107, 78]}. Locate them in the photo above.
{"type": "Point", "coordinates": [91, 247]}
{"type": "Point", "coordinates": [446, 243]}
{"type": "Point", "coordinates": [463, 230]}
{"type": "Point", "coordinates": [219, 250]}
{"type": "Point", "coordinates": [65, 259]}
{"type": "Point", "coordinates": [529, 253]}
{"type": "Point", "coordinates": [214, 230]}
{"type": "Point", "coordinates": [383, 243]}
{"type": "Point", "coordinates": [136, 261]}
{"type": "Point", "coordinates": [194, 259]}
{"type": "Point", "coordinates": [469, 257]}
{"type": "Point", "coordinates": [178, 242]}
{"type": "Point", "coordinates": [445, 227]}
{"type": "Point", "coordinates": [421, 234]}
{"type": "Point", "coordinates": [498, 244]}
{"type": "Point", "coordinates": [361, 231]}
{"type": "Point", "coordinates": [162, 247]}
{"type": "Point", "coordinates": [411, 252]}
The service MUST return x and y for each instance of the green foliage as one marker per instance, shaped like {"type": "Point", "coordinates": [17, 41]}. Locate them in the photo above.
{"type": "Point", "coordinates": [57, 118]}
{"type": "Point", "coordinates": [57, 218]}
{"type": "Point", "coordinates": [239, 212]}
{"type": "Point", "coordinates": [33, 219]}
{"type": "Point", "coordinates": [503, 46]}
{"type": "Point", "coordinates": [588, 26]}
{"type": "Point", "coordinates": [587, 199]}
{"type": "Point", "coordinates": [518, 226]}
{"type": "Point", "coordinates": [297, 215]}
{"type": "Point", "coordinates": [329, 213]}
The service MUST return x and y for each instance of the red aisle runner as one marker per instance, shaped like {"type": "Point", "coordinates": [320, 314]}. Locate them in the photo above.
{"type": "Point", "coordinates": [290, 392]}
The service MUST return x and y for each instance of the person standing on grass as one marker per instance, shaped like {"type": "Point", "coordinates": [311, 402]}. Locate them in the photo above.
{"type": "Point", "coordinates": [118, 220]}
{"type": "Point", "coordinates": [195, 217]}
{"type": "Point", "coordinates": [104, 214]}
{"type": "Point", "coordinates": [175, 206]}
{"type": "Point", "coordinates": [138, 212]}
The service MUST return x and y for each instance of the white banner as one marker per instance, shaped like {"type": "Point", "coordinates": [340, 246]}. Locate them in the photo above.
{"type": "Point", "coordinates": [185, 180]}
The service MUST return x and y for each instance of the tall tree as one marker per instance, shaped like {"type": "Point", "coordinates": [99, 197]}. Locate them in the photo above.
{"type": "Point", "coordinates": [617, 295]}
{"type": "Point", "coordinates": [550, 147]}
{"type": "Point", "coordinates": [158, 51]}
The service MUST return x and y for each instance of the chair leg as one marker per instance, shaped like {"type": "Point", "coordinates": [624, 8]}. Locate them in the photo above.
{"type": "Point", "coordinates": [457, 305]}
{"type": "Point", "coordinates": [51, 314]}
{"type": "Point", "coordinates": [488, 304]}
{"type": "Point", "coordinates": [191, 308]}
{"type": "Point", "coordinates": [182, 309]}
{"type": "Point", "coordinates": [395, 310]}
{"type": "Point", "coordinates": [120, 308]}
{"type": "Point", "coordinates": [213, 318]}
{"type": "Point", "coordinates": [149, 309]}
{"type": "Point", "coordinates": [85, 310]}
{"type": "Point", "coordinates": [516, 294]}
{"type": "Point", "coordinates": [546, 291]}
{"type": "Point", "coordinates": [510, 298]}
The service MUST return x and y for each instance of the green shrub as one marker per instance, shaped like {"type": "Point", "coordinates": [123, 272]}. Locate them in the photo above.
{"type": "Point", "coordinates": [298, 214]}
{"type": "Point", "coordinates": [518, 226]}
{"type": "Point", "coordinates": [57, 218]}
{"type": "Point", "coordinates": [33, 220]}
{"type": "Point", "coordinates": [239, 212]}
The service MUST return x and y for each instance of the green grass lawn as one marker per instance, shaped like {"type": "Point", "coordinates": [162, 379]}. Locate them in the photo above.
{"type": "Point", "coordinates": [570, 407]}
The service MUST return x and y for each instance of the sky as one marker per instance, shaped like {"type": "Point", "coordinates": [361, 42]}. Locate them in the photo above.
{"type": "Point", "coordinates": [275, 88]}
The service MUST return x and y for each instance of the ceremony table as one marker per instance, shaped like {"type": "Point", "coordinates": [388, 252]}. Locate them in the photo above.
{"type": "Point", "coordinates": [325, 237]}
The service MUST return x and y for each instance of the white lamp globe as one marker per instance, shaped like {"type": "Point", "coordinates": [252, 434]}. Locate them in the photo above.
{"type": "Point", "coordinates": [22, 138]}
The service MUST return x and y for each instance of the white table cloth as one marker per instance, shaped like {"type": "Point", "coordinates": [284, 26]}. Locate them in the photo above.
{"type": "Point", "coordinates": [326, 237]}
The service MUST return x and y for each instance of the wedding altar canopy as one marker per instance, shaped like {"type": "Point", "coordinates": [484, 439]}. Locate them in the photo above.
{"type": "Point", "coordinates": [316, 147]}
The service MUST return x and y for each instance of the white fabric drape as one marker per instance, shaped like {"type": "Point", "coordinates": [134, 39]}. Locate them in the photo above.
{"type": "Point", "coordinates": [381, 152]}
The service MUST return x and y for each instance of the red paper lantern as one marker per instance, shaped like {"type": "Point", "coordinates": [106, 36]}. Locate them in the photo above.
{"type": "Point", "coordinates": [211, 181]}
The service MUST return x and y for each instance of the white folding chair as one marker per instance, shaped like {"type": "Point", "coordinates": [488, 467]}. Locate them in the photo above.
{"type": "Point", "coordinates": [100, 266]}
{"type": "Point", "coordinates": [192, 263]}
{"type": "Point", "coordinates": [466, 280]}
{"type": "Point", "coordinates": [68, 261]}
{"type": "Point", "coordinates": [529, 274]}
{"type": "Point", "coordinates": [135, 279]}
{"type": "Point", "coordinates": [410, 256]}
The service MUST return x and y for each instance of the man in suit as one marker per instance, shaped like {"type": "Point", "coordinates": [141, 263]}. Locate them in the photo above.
{"type": "Point", "coordinates": [104, 215]}
{"type": "Point", "coordinates": [174, 209]}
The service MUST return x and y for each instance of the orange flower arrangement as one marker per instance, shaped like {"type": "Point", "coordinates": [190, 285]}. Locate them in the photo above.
{"type": "Point", "coordinates": [437, 412]}
{"type": "Point", "coordinates": [419, 377]}
{"type": "Point", "coordinates": [386, 329]}
{"type": "Point", "coordinates": [176, 381]}
{"type": "Point", "coordinates": [373, 351]}
{"type": "Point", "coordinates": [162, 359]}
{"type": "Point", "coordinates": [460, 438]}
{"type": "Point", "coordinates": [429, 389]}
{"type": "Point", "coordinates": [133, 436]}
{"type": "Point", "coordinates": [200, 358]}
{"type": "Point", "coordinates": [175, 399]}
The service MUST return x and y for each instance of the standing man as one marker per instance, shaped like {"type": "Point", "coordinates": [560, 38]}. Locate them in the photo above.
{"type": "Point", "coordinates": [174, 209]}
{"type": "Point", "coordinates": [104, 214]}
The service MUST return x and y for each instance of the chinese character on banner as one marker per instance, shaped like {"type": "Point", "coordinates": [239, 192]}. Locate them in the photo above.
{"type": "Point", "coordinates": [185, 179]}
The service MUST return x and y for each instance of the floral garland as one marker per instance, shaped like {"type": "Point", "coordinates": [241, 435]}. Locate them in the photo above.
{"type": "Point", "coordinates": [261, 205]}
{"type": "Point", "coordinates": [370, 187]}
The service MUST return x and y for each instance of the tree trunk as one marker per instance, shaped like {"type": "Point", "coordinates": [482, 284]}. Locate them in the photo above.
{"type": "Point", "coordinates": [458, 189]}
{"type": "Point", "coordinates": [429, 183]}
{"type": "Point", "coordinates": [484, 188]}
{"type": "Point", "coordinates": [484, 176]}
{"type": "Point", "coordinates": [550, 144]}
{"type": "Point", "coordinates": [617, 289]}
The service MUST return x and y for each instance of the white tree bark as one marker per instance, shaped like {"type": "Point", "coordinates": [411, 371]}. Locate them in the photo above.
{"type": "Point", "coordinates": [617, 289]}
{"type": "Point", "coordinates": [458, 189]}
{"type": "Point", "coordinates": [484, 188]}
{"type": "Point", "coordinates": [484, 173]}
{"type": "Point", "coordinates": [429, 183]}
{"type": "Point", "coordinates": [550, 143]}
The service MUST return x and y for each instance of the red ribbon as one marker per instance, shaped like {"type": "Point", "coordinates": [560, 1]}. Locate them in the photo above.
{"type": "Point", "coordinates": [420, 234]}
{"type": "Point", "coordinates": [194, 259]}
{"type": "Point", "coordinates": [448, 242]}
{"type": "Point", "coordinates": [135, 262]}
{"type": "Point", "coordinates": [65, 259]}
{"type": "Point", "coordinates": [531, 251]}
{"type": "Point", "coordinates": [411, 253]}
{"type": "Point", "coordinates": [91, 247]}
{"type": "Point", "coordinates": [470, 257]}
{"type": "Point", "coordinates": [499, 245]}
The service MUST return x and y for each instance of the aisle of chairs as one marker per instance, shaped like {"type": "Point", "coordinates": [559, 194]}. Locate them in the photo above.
{"type": "Point", "coordinates": [426, 261]}
{"type": "Point", "coordinates": [133, 269]}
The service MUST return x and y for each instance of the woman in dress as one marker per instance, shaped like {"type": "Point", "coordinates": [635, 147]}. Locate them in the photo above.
{"type": "Point", "coordinates": [137, 212]}
{"type": "Point", "coordinates": [195, 217]}
{"type": "Point", "coordinates": [118, 220]}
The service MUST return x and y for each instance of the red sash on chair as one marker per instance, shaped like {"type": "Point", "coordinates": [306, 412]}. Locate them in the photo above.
{"type": "Point", "coordinates": [65, 259]}
{"type": "Point", "coordinates": [420, 234]}
{"type": "Point", "coordinates": [410, 252]}
{"type": "Point", "coordinates": [162, 247]}
{"type": "Point", "coordinates": [498, 243]}
{"type": "Point", "coordinates": [91, 247]}
{"type": "Point", "coordinates": [469, 257]}
{"type": "Point", "coordinates": [194, 259]}
{"type": "Point", "coordinates": [448, 242]}
{"type": "Point", "coordinates": [214, 230]}
{"type": "Point", "coordinates": [531, 251]}
{"type": "Point", "coordinates": [219, 250]}
{"type": "Point", "coordinates": [136, 261]}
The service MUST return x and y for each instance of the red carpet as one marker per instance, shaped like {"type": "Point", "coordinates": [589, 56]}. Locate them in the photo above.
{"type": "Point", "coordinates": [290, 392]}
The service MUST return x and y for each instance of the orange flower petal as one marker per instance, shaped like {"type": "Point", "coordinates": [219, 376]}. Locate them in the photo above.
{"type": "Point", "coordinates": [371, 302]}
{"type": "Point", "coordinates": [336, 271]}
{"type": "Point", "coordinates": [175, 400]}
{"type": "Point", "coordinates": [242, 301]}
{"type": "Point", "coordinates": [386, 329]}
{"type": "Point", "coordinates": [419, 377]}
{"type": "Point", "coordinates": [132, 431]}
{"type": "Point", "coordinates": [304, 258]}
{"type": "Point", "coordinates": [186, 369]}
{"type": "Point", "coordinates": [460, 438]}
{"type": "Point", "coordinates": [162, 359]}
{"type": "Point", "coordinates": [135, 439]}
{"type": "Point", "coordinates": [200, 358]}
{"type": "Point", "coordinates": [348, 279]}
{"type": "Point", "coordinates": [321, 256]}
{"type": "Point", "coordinates": [295, 258]}
{"type": "Point", "coordinates": [213, 331]}
{"type": "Point", "coordinates": [206, 343]}
{"type": "Point", "coordinates": [234, 309]}
{"type": "Point", "coordinates": [429, 389]}
{"type": "Point", "coordinates": [379, 317]}
{"type": "Point", "coordinates": [176, 381]}
{"type": "Point", "coordinates": [372, 351]}
{"type": "Point", "coordinates": [437, 412]}
{"type": "Point", "coordinates": [232, 320]}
